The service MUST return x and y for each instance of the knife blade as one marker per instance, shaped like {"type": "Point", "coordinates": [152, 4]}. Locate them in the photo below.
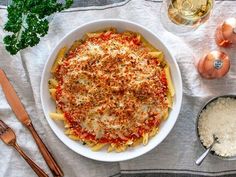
{"type": "Point", "coordinates": [13, 99]}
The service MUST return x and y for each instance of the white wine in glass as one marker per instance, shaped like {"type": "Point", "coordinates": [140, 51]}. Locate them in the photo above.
{"type": "Point", "coordinates": [186, 14]}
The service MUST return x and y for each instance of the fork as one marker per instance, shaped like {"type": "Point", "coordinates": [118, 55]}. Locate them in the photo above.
{"type": "Point", "coordinates": [8, 136]}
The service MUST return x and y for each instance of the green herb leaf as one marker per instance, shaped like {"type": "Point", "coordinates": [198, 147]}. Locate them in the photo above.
{"type": "Point", "coordinates": [27, 22]}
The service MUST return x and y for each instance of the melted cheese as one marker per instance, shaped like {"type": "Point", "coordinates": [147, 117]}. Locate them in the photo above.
{"type": "Point", "coordinates": [112, 88]}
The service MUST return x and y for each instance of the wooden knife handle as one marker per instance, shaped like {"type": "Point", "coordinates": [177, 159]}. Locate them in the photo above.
{"type": "Point", "coordinates": [31, 163]}
{"type": "Point", "coordinates": [51, 162]}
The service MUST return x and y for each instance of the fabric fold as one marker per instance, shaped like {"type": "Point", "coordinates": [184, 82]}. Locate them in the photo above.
{"type": "Point", "coordinates": [176, 154]}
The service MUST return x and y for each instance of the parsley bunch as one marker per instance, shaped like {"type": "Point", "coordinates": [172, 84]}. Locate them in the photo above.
{"type": "Point", "coordinates": [27, 22]}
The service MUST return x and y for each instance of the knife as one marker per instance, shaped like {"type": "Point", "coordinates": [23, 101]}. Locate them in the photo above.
{"type": "Point", "coordinates": [23, 117]}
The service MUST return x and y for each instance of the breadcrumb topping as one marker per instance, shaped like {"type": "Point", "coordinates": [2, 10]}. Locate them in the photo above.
{"type": "Point", "coordinates": [111, 89]}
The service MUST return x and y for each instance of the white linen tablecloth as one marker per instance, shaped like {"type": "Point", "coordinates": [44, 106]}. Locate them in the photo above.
{"type": "Point", "coordinates": [176, 154]}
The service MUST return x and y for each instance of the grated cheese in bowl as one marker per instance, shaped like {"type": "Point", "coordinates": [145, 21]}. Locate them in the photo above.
{"type": "Point", "coordinates": [219, 118]}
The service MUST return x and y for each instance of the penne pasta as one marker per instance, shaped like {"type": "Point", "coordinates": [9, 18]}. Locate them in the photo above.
{"type": "Point", "coordinates": [58, 110]}
{"type": "Point", "coordinates": [157, 54]}
{"type": "Point", "coordinates": [120, 148]}
{"type": "Point", "coordinates": [147, 44]}
{"type": "Point", "coordinates": [52, 83]}
{"type": "Point", "coordinates": [73, 137]}
{"type": "Point", "coordinates": [90, 144]}
{"type": "Point", "coordinates": [127, 33]}
{"type": "Point", "coordinates": [170, 100]}
{"type": "Point", "coordinates": [99, 32]}
{"type": "Point", "coordinates": [165, 114]}
{"type": "Point", "coordinates": [75, 45]}
{"type": "Point", "coordinates": [169, 81]}
{"type": "Point", "coordinates": [138, 39]}
{"type": "Point", "coordinates": [56, 116]}
{"type": "Point", "coordinates": [58, 59]}
{"type": "Point", "coordinates": [66, 125]}
{"type": "Point", "coordinates": [137, 142]}
{"type": "Point", "coordinates": [98, 146]}
{"type": "Point", "coordinates": [67, 131]}
{"type": "Point", "coordinates": [129, 142]}
{"type": "Point", "coordinates": [145, 138]}
{"type": "Point", "coordinates": [110, 148]}
{"type": "Point", "coordinates": [113, 30]}
{"type": "Point", "coordinates": [53, 93]}
{"type": "Point", "coordinates": [90, 35]}
{"type": "Point", "coordinates": [153, 132]}
{"type": "Point", "coordinates": [97, 107]}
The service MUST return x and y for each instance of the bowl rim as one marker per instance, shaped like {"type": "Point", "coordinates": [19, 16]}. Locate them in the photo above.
{"type": "Point", "coordinates": [178, 73]}
{"type": "Point", "coordinates": [214, 98]}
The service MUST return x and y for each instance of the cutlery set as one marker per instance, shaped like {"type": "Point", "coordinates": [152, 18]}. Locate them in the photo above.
{"type": "Point", "coordinates": [8, 136]}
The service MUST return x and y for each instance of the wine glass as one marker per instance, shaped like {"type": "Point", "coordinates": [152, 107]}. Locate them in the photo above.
{"type": "Point", "coordinates": [181, 16]}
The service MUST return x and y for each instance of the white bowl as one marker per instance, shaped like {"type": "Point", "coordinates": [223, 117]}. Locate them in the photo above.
{"type": "Point", "coordinates": [49, 105]}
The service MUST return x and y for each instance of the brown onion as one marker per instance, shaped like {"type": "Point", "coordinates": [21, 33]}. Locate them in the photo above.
{"type": "Point", "coordinates": [214, 65]}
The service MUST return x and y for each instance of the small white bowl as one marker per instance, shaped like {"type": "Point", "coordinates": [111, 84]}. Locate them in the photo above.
{"type": "Point", "coordinates": [49, 105]}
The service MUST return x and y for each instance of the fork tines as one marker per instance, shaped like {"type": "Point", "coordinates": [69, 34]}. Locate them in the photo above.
{"type": "Point", "coordinates": [3, 127]}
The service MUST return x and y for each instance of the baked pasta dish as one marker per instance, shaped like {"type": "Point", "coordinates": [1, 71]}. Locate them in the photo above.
{"type": "Point", "coordinates": [111, 90]}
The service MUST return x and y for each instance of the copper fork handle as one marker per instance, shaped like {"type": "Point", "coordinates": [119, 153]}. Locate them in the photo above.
{"type": "Point", "coordinates": [51, 162]}
{"type": "Point", "coordinates": [33, 165]}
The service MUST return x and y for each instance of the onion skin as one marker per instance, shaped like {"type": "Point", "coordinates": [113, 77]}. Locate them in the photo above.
{"type": "Point", "coordinates": [226, 33]}
{"type": "Point", "coordinates": [219, 38]}
{"type": "Point", "coordinates": [214, 65]}
{"type": "Point", "coordinates": [228, 29]}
